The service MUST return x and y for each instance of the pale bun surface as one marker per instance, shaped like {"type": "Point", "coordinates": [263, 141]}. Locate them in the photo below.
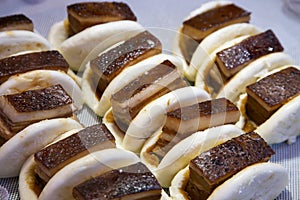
{"type": "Point", "coordinates": [183, 152]}
{"type": "Point", "coordinates": [38, 79]}
{"type": "Point", "coordinates": [16, 150]}
{"type": "Point", "coordinates": [258, 181]}
{"type": "Point", "coordinates": [16, 41]}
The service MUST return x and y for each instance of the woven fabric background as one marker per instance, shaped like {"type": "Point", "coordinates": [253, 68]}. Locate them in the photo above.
{"type": "Point", "coordinates": [169, 14]}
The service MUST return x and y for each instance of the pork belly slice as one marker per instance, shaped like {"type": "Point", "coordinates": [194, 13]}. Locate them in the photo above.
{"type": "Point", "coordinates": [182, 122]}
{"type": "Point", "coordinates": [109, 64]}
{"type": "Point", "coordinates": [128, 101]}
{"type": "Point", "coordinates": [51, 60]}
{"type": "Point", "coordinates": [16, 22]}
{"type": "Point", "coordinates": [19, 110]}
{"type": "Point", "coordinates": [197, 28]}
{"type": "Point", "coordinates": [55, 156]}
{"type": "Point", "coordinates": [233, 59]}
{"type": "Point", "coordinates": [266, 96]}
{"type": "Point", "coordinates": [86, 14]}
{"type": "Point", "coordinates": [211, 168]}
{"type": "Point", "coordinates": [133, 182]}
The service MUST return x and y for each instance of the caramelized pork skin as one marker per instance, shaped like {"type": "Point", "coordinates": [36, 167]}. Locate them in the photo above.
{"type": "Point", "coordinates": [267, 95]}
{"type": "Point", "coordinates": [22, 109]}
{"type": "Point", "coordinates": [233, 59]}
{"type": "Point", "coordinates": [213, 167]}
{"type": "Point", "coordinates": [109, 64]}
{"type": "Point", "coordinates": [183, 122]}
{"type": "Point", "coordinates": [134, 182]}
{"type": "Point", "coordinates": [50, 60]}
{"type": "Point", "coordinates": [86, 14]}
{"type": "Point", "coordinates": [16, 22]}
{"type": "Point", "coordinates": [197, 28]}
{"type": "Point", "coordinates": [54, 157]}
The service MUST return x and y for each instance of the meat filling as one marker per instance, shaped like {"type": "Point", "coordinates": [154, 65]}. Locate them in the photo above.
{"type": "Point", "coordinates": [182, 122]}
{"type": "Point", "coordinates": [200, 26]}
{"type": "Point", "coordinates": [16, 22]}
{"type": "Point", "coordinates": [270, 93]}
{"type": "Point", "coordinates": [134, 182]}
{"type": "Point", "coordinates": [109, 64]}
{"type": "Point", "coordinates": [50, 60]}
{"type": "Point", "coordinates": [211, 168]}
{"type": "Point", "coordinates": [87, 14]}
{"type": "Point", "coordinates": [54, 157]}
{"type": "Point", "coordinates": [20, 110]}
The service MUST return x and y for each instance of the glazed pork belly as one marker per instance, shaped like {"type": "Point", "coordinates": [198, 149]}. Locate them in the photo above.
{"type": "Point", "coordinates": [128, 101]}
{"type": "Point", "coordinates": [198, 27]}
{"type": "Point", "coordinates": [22, 109]}
{"type": "Point", "coordinates": [57, 155]}
{"type": "Point", "coordinates": [267, 95]}
{"type": "Point", "coordinates": [233, 59]}
{"type": "Point", "coordinates": [49, 60]}
{"type": "Point", "coordinates": [86, 14]}
{"type": "Point", "coordinates": [109, 64]}
{"type": "Point", "coordinates": [16, 22]}
{"type": "Point", "coordinates": [133, 182]}
{"type": "Point", "coordinates": [211, 168]}
{"type": "Point", "coordinates": [185, 121]}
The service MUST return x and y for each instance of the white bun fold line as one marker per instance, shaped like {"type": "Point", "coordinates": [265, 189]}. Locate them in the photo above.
{"type": "Point", "coordinates": [94, 164]}
{"type": "Point", "coordinates": [58, 33]}
{"type": "Point", "coordinates": [101, 106]}
{"type": "Point", "coordinates": [252, 72]}
{"type": "Point", "coordinates": [259, 181]}
{"type": "Point", "coordinates": [16, 41]}
{"type": "Point", "coordinates": [208, 63]}
{"type": "Point", "coordinates": [16, 150]}
{"type": "Point", "coordinates": [40, 79]}
{"type": "Point", "coordinates": [152, 116]}
{"type": "Point", "coordinates": [83, 42]}
{"type": "Point", "coordinates": [183, 152]}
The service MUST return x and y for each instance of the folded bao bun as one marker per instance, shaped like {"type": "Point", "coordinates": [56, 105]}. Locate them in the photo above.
{"type": "Point", "coordinates": [252, 72]}
{"type": "Point", "coordinates": [85, 41]}
{"type": "Point", "coordinates": [284, 124]}
{"type": "Point", "coordinates": [15, 151]}
{"type": "Point", "coordinates": [258, 181]}
{"type": "Point", "coordinates": [152, 117]}
{"type": "Point", "coordinates": [16, 41]}
{"type": "Point", "coordinates": [101, 106]}
{"type": "Point", "coordinates": [208, 62]}
{"type": "Point", "coordinates": [61, 184]}
{"type": "Point", "coordinates": [40, 79]}
{"type": "Point", "coordinates": [183, 152]}
{"type": "Point", "coordinates": [213, 40]}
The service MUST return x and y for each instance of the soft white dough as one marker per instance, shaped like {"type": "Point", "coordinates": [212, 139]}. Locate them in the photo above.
{"type": "Point", "coordinates": [16, 150]}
